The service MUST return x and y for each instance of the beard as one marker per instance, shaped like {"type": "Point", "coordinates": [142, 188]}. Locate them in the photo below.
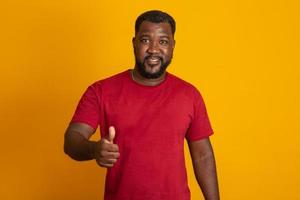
{"type": "Point", "coordinates": [141, 68]}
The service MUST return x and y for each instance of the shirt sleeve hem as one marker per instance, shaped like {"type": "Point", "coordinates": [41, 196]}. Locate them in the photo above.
{"type": "Point", "coordinates": [192, 139]}
{"type": "Point", "coordinates": [86, 122]}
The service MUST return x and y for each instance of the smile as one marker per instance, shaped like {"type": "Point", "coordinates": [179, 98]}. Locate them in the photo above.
{"type": "Point", "coordinates": [153, 59]}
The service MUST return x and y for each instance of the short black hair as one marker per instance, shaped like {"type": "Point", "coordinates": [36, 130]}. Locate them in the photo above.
{"type": "Point", "coordinates": [155, 16]}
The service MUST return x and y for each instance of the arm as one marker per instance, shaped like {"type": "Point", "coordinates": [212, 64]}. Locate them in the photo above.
{"type": "Point", "coordinates": [78, 146]}
{"type": "Point", "coordinates": [205, 168]}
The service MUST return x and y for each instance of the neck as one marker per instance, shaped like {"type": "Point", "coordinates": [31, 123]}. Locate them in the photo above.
{"type": "Point", "coordinates": [137, 77]}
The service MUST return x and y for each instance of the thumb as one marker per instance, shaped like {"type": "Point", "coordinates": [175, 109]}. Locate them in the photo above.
{"type": "Point", "coordinates": [111, 134]}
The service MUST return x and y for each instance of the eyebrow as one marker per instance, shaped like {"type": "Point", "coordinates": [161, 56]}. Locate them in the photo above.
{"type": "Point", "coordinates": [161, 36]}
{"type": "Point", "coordinates": [165, 36]}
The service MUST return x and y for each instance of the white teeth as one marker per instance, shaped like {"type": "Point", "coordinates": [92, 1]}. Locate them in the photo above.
{"type": "Point", "coordinates": [153, 59]}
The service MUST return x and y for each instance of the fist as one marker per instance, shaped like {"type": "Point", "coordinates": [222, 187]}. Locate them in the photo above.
{"type": "Point", "coordinates": [106, 152]}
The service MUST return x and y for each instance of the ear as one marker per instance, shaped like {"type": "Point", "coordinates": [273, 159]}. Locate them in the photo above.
{"type": "Point", "coordinates": [174, 42]}
{"type": "Point", "coordinates": [133, 42]}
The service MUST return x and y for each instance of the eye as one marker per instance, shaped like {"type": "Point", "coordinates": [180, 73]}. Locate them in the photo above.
{"type": "Point", "coordinates": [144, 40]}
{"type": "Point", "coordinates": [164, 42]}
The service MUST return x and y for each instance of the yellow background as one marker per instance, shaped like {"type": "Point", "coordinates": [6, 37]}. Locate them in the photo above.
{"type": "Point", "coordinates": [242, 55]}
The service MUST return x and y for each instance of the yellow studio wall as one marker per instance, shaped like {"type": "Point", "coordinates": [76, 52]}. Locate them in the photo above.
{"type": "Point", "coordinates": [242, 55]}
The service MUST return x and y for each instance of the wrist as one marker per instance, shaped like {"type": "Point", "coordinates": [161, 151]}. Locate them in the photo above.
{"type": "Point", "coordinates": [93, 149]}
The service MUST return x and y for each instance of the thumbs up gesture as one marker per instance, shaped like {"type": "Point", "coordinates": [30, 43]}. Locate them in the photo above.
{"type": "Point", "coordinates": [111, 135]}
{"type": "Point", "coordinates": [107, 153]}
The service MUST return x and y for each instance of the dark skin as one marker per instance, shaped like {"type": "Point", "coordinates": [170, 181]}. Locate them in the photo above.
{"type": "Point", "coordinates": [205, 168]}
{"type": "Point", "coordinates": [78, 146]}
{"type": "Point", "coordinates": [156, 40]}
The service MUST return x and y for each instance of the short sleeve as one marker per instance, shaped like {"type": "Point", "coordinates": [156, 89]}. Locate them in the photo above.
{"type": "Point", "coordinates": [200, 126]}
{"type": "Point", "coordinates": [88, 108]}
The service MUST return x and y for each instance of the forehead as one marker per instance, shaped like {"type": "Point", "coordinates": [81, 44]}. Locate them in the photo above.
{"type": "Point", "coordinates": [147, 27]}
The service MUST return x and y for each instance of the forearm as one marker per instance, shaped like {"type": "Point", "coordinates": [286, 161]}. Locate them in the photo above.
{"type": "Point", "coordinates": [206, 175]}
{"type": "Point", "coordinates": [78, 147]}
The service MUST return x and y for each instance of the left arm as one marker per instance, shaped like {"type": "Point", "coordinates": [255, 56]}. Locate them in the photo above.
{"type": "Point", "coordinates": [205, 168]}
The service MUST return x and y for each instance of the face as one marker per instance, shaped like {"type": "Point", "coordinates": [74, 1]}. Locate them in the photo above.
{"type": "Point", "coordinates": [153, 48]}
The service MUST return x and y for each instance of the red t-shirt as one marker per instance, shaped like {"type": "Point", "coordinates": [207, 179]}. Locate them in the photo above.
{"type": "Point", "coordinates": [151, 123]}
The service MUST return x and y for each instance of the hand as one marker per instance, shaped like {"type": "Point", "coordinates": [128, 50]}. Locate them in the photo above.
{"type": "Point", "coordinates": [106, 152]}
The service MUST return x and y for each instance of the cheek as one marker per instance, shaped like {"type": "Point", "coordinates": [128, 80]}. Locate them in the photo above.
{"type": "Point", "coordinates": [140, 52]}
{"type": "Point", "coordinates": [168, 53]}
{"type": "Point", "coordinates": [140, 55]}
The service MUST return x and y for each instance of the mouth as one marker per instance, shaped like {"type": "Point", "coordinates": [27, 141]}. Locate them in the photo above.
{"type": "Point", "coordinates": [153, 60]}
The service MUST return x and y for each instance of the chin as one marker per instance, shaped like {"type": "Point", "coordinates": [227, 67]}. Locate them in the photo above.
{"type": "Point", "coordinates": [147, 72]}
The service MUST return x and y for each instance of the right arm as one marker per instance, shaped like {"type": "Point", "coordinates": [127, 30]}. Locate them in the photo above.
{"type": "Point", "coordinates": [78, 146]}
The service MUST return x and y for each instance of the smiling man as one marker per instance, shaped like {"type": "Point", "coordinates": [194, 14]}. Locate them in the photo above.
{"type": "Point", "coordinates": [144, 116]}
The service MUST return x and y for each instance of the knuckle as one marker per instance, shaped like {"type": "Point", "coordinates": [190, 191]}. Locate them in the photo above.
{"type": "Point", "coordinates": [101, 164]}
{"type": "Point", "coordinates": [102, 153]}
{"type": "Point", "coordinates": [112, 161]}
{"type": "Point", "coordinates": [107, 163]}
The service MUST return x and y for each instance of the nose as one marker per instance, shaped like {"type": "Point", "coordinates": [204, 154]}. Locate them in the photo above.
{"type": "Point", "coordinates": [153, 48]}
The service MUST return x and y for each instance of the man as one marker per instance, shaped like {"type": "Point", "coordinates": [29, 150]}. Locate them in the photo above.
{"type": "Point", "coordinates": [144, 115]}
